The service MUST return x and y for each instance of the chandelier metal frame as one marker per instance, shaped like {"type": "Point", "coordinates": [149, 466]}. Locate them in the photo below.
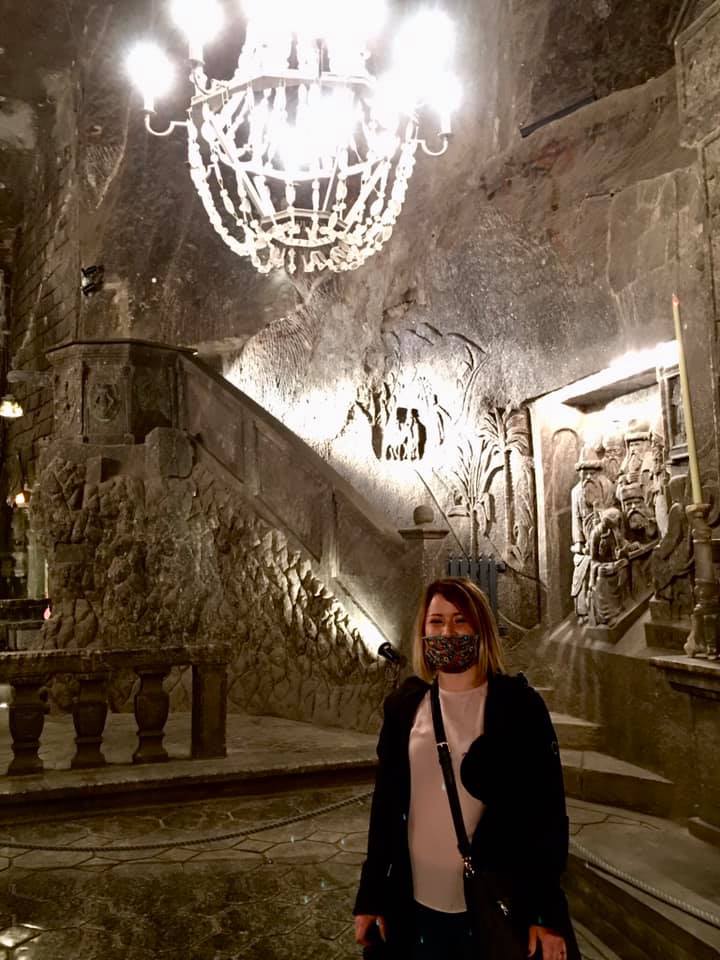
{"type": "Point", "coordinates": [334, 206]}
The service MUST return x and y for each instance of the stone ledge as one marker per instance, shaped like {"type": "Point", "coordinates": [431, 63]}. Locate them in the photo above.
{"type": "Point", "coordinates": [699, 678]}
{"type": "Point", "coordinates": [703, 830]}
{"type": "Point", "coordinates": [40, 663]}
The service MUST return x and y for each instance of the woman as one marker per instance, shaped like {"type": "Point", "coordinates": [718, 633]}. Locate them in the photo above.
{"type": "Point", "coordinates": [507, 768]}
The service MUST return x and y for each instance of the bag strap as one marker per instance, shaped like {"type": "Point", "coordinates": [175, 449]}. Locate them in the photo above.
{"type": "Point", "coordinates": [449, 777]}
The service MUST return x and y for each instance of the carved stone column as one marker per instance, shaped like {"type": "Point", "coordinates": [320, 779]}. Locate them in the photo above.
{"type": "Point", "coordinates": [704, 640]}
{"type": "Point", "coordinates": [89, 711]}
{"type": "Point", "coordinates": [152, 705]}
{"type": "Point", "coordinates": [26, 720]}
{"type": "Point", "coordinates": [209, 710]}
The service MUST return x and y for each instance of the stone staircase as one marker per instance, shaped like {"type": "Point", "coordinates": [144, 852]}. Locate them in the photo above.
{"type": "Point", "coordinates": [626, 922]}
{"type": "Point", "coordinates": [597, 777]}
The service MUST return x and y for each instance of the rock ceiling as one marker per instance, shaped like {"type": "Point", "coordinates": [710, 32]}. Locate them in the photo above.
{"type": "Point", "coordinates": [560, 52]}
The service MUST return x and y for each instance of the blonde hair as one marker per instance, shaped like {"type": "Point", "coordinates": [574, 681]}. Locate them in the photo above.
{"type": "Point", "coordinates": [471, 601]}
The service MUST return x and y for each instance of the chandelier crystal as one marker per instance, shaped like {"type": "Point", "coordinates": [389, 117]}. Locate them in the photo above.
{"type": "Point", "coordinates": [302, 157]}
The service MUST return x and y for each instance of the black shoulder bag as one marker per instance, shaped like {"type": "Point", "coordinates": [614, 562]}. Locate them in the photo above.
{"type": "Point", "coordinates": [489, 900]}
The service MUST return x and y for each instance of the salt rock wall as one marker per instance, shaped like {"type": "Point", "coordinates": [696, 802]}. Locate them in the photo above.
{"type": "Point", "coordinates": [143, 562]}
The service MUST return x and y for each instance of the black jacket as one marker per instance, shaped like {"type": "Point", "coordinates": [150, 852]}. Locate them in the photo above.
{"type": "Point", "coordinates": [514, 768]}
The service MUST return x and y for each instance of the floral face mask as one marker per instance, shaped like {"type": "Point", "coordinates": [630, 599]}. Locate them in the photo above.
{"type": "Point", "coordinates": [453, 654]}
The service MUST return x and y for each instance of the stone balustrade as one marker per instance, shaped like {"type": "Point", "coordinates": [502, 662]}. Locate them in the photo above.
{"type": "Point", "coordinates": [29, 672]}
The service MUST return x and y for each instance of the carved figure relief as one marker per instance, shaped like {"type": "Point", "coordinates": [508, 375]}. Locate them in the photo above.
{"type": "Point", "coordinates": [609, 551]}
{"type": "Point", "coordinates": [619, 510]}
{"type": "Point", "coordinates": [400, 431]}
{"type": "Point", "coordinates": [593, 493]}
{"type": "Point", "coordinates": [677, 413]}
{"type": "Point", "coordinates": [104, 401]}
{"type": "Point", "coordinates": [672, 559]}
{"type": "Point", "coordinates": [403, 404]}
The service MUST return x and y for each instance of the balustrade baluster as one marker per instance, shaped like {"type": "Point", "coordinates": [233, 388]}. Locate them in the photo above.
{"type": "Point", "coordinates": [89, 711]}
{"type": "Point", "coordinates": [209, 710]}
{"type": "Point", "coordinates": [152, 705]}
{"type": "Point", "coordinates": [26, 721]}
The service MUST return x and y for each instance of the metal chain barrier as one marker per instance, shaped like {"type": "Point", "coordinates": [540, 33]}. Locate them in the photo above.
{"type": "Point", "coordinates": [170, 844]}
{"type": "Point", "coordinates": [590, 858]}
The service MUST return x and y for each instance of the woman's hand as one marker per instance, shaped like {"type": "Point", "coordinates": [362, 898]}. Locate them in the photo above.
{"type": "Point", "coordinates": [364, 933]}
{"type": "Point", "coordinates": [553, 945]}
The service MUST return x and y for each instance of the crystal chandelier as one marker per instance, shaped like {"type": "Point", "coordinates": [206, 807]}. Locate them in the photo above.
{"type": "Point", "coordinates": [302, 157]}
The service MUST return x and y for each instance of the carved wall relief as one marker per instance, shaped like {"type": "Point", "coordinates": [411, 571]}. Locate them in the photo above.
{"type": "Point", "coordinates": [673, 418]}
{"type": "Point", "coordinates": [68, 399]}
{"type": "Point", "coordinates": [672, 560]}
{"type": "Point", "coordinates": [422, 385]}
{"type": "Point", "coordinates": [104, 401]}
{"type": "Point", "coordinates": [502, 446]}
{"type": "Point", "coordinates": [619, 513]}
{"type": "Point", "coordinates": [404, 419]}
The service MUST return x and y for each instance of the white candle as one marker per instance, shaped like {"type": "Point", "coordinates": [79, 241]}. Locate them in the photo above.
{"type": "Point", "coordinates": [697, 496]}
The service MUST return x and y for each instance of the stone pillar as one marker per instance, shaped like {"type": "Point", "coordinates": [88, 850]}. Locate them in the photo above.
{"type": "Point", "coordinates": [36, 565]}
{"type": "Point", "coordinates": [26, 720]}
{"type": "Point", "coordinates": [152, 705]}
{"type": "Point", "coordinates": [89, 711]}
{"type": "Point", "coordinates": [426, 544]}
{"type": "Point", "coordinates": [209, 710]}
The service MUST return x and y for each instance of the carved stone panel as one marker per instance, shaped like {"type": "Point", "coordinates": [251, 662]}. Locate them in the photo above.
{"type": "Point", "coordinates": [68, 399]}
{"type": "Point", "coordinates": [298, 503]}
{"type": "Point", "coordinates": [673, 419]}
{"type": "Point", "coordinates": [114, 391]}
{"type": "Point", "coordinates": [107, 404]}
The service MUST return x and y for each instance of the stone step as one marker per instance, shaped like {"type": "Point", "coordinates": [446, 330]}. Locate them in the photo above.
{"type": "Point", "coordinates": [575, 733]}
{"type": "Point", "coordinates": [623, 869]}
{"type": "Point", "coordinates": [548, 695]}
{"type": "Point", "coordinates": [599, 778]}
{"type": "Point", "coordinates": [591, 946]}
{"type": "Point", "coordinates": [634, 924]}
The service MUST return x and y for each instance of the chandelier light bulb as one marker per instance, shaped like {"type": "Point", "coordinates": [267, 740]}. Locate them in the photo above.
{"type": "Point", "coordinates": [395, 97]}
{"type": "Point", "coordinates": [445, 99]}
{"type": "Point", "coordinates": [274, 16]}
{"type": "Point", "coordinates": [151, 72]}
{"type": "Point", "coordinates": [357, 21]}
{"type": "Point", "coordinates": [425, 45]}
{"type": "Point", "coordinates": [200, 20]}
{"type": "Point", "coordinates": [10, 409]}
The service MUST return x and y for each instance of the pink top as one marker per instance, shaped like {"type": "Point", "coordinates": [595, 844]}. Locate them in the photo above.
{"type": "Point", "coordinates": [436, 861]}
